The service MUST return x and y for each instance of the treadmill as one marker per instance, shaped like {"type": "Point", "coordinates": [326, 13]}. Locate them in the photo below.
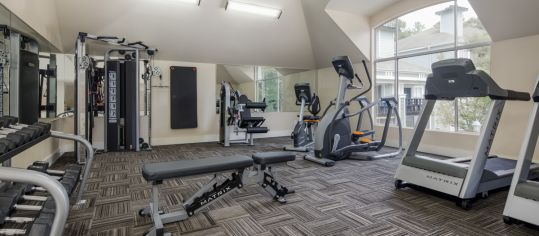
{"type": "Point", "coordinates": [523, 198]}
{"type": "Point", "coordinates": [460, 177]}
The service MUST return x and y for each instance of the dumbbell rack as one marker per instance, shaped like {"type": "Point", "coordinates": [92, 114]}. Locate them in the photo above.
{"type": "Point", "coordinates": [8, 155]}
{"type": "Point", "coordinates": [53, 187]}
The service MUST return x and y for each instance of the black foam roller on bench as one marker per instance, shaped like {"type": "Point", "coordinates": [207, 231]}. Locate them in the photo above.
{"type": "Point", "coordinates": [257, 130]}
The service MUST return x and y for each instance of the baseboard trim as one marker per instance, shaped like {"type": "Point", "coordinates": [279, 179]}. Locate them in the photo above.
{"type": "Point", "coordinates": [210, 138]}
{"type": "Point", "coordinates": [53, 157]}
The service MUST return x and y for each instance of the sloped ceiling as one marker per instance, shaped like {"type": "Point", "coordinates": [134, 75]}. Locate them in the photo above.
{"type": "Point", "coordinates": [205, 33]}
{"type": "Point", "coordinates": [360, 7]}
{"type": "Point", "coordinates": [240, 74]}
{"type": "Point", "coordinates": [327, 38]}
{"type": "Point", "coordinates": [505, 19]}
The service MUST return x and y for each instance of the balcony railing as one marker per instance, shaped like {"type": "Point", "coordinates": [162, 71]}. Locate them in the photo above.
{"type": "Point", "coordinates": [412, 107]}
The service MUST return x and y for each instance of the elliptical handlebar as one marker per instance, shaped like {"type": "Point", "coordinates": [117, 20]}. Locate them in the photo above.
{"type": "Point", "coordinates": [315, 106]}
{"type": "Point", "coordinates": [368, 78]}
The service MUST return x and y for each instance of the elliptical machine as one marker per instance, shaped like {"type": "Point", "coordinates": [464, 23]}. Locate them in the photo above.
{"type": "Point", "coordinates": [334, 139]}
{"type": "Point", "coordinates": [303, 134]}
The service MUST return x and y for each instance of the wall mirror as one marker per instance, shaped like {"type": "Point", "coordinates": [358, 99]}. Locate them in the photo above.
{"type": "Point", "coordinates": [274, 84]}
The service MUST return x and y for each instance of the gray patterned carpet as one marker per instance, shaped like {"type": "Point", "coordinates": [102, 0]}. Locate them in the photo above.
{"type": "Point", "coordinates": [351, 198]}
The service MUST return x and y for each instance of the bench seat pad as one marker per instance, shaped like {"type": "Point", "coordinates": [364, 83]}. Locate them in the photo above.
{"type": "Point", "coordinates": [266, 158]}
{"type": "Point", "coordinates": [182, 168]}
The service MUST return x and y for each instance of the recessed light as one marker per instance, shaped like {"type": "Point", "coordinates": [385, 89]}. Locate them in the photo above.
{"type": "Point", "coordinates": [194, 2]}
{"type": "Point", "coordinates": [254, 9]}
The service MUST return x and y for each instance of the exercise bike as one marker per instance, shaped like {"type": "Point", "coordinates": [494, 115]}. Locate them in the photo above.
{"type": "Point", "coordinates": [303, 134]}
{"type": "Point", "coordinates": [334, 139]}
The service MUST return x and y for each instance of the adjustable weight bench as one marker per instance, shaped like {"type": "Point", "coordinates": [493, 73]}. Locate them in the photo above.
{"type": "Point", "coordinates": [261, 174]}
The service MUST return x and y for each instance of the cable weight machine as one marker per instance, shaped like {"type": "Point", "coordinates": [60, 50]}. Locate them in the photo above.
{"type": "Point", "coordinates": [110, 90]}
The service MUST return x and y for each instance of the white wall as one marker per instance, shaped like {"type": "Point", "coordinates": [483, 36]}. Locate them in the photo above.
{"type": "Point", "coordinates": [40, 15]}
{"type": "Point", "coordinates": [508, 19]}
{"type": "Point", "coordinates": [327, 38]}
{"type": "Point", "coordinates": [356, 27]}
{"type": "Point", "coordinates": [208, 120]}
{"type": "Point", "coordinates": [515, 66]}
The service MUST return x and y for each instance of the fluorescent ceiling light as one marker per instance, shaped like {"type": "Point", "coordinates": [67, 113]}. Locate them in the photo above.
{"type": "Point", "coordinates": [194, 2]}
{"type": "Point", "coordinates": [254, 9]}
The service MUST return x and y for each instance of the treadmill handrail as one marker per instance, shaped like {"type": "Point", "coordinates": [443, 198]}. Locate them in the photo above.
{"type": "Point", "coordinates": [517, 96]}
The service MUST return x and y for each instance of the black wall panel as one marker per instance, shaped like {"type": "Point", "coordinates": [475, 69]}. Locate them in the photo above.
{"type": "Point", "coordinates": [29, 88]}
{"type": "Point", "coordinates": [183, 97]}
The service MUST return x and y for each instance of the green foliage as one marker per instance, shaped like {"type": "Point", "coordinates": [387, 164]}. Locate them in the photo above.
{"type": "Point", "coordinates": [268, 88]}
{"type": "Point", "coordinates": [470, 111]}
{"type": "Point", "coordinates": [405, 32]}
{"type": "Point", "coordinates": [476, 32]}
{"type": "Point", "coordinates": [444, 111]}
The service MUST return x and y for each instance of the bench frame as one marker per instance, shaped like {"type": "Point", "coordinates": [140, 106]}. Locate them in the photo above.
{"type": "Point", "coordinates": [262, 175]}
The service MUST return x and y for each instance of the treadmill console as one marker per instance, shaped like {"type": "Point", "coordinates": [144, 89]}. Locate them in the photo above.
{"type": "Point", "coordinates": [303, 90]}
{"type": "Point", "coordinates": [458, 78]}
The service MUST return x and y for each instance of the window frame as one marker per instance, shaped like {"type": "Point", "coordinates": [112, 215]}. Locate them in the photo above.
{"type": "Point", "coordinates": [455, 48]}
{"type": "Point", "coordinates": [259, 79]}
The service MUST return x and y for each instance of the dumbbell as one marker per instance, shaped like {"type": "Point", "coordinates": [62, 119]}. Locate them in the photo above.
{"type": "Point", "coordinates": [40, 225]}
{"type": "Point", "coordinates": [12, 122]}
{"type": "Point", "coordinates": [43, 166]}
{"type": "Point", "coordinates": [19, 191]}
{"type": "Point", "coordinates": [9, 142]}
{"type": "Point", "coordinates": [68, 178]}
{"type": "Point", "coordinates": [43, 223]}
{"type": "Point", "coordinates": [18, 137]}
{"type": "Point", "coordinates": [28, 132]}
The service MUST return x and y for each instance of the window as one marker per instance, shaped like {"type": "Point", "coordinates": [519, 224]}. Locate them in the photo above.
{"type": "Point", "coordinates": [405, 49]}
{"type": "Point", "coordinates": [268, 82]}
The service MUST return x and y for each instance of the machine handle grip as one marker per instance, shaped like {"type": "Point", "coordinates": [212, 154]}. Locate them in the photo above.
{"type": "Point", "coordinates": [140, 43]}
{"type": "Point", "coordinates": [517, 96]}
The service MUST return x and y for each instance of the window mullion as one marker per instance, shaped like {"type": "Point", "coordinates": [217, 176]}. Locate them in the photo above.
{"type": "Point", "coordinates": [396, 62]}
{"type": "Point", "coordinates": [455, 53]}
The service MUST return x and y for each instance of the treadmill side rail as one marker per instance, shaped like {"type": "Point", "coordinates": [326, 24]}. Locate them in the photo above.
{"type": "Point", "coordinates": [482, 151]}
{"type": "Point", "coordinates": [518, 207]}
{"type": "Point", "coordinates": [432, 180]}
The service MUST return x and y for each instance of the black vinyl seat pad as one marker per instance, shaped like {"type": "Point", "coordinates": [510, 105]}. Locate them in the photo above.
{"type": "Point", "coordinates": [311, 117]}
{"type": "Point", "coordinates": [182, 168]}
{"type": "Point", "coordinates": [253, 119]}
{"type": "Point", "coordinates": [264, 158]}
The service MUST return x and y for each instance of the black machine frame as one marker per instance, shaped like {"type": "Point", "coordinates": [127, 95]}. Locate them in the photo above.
{"type": "Point", "coordinates": [82, 124]}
